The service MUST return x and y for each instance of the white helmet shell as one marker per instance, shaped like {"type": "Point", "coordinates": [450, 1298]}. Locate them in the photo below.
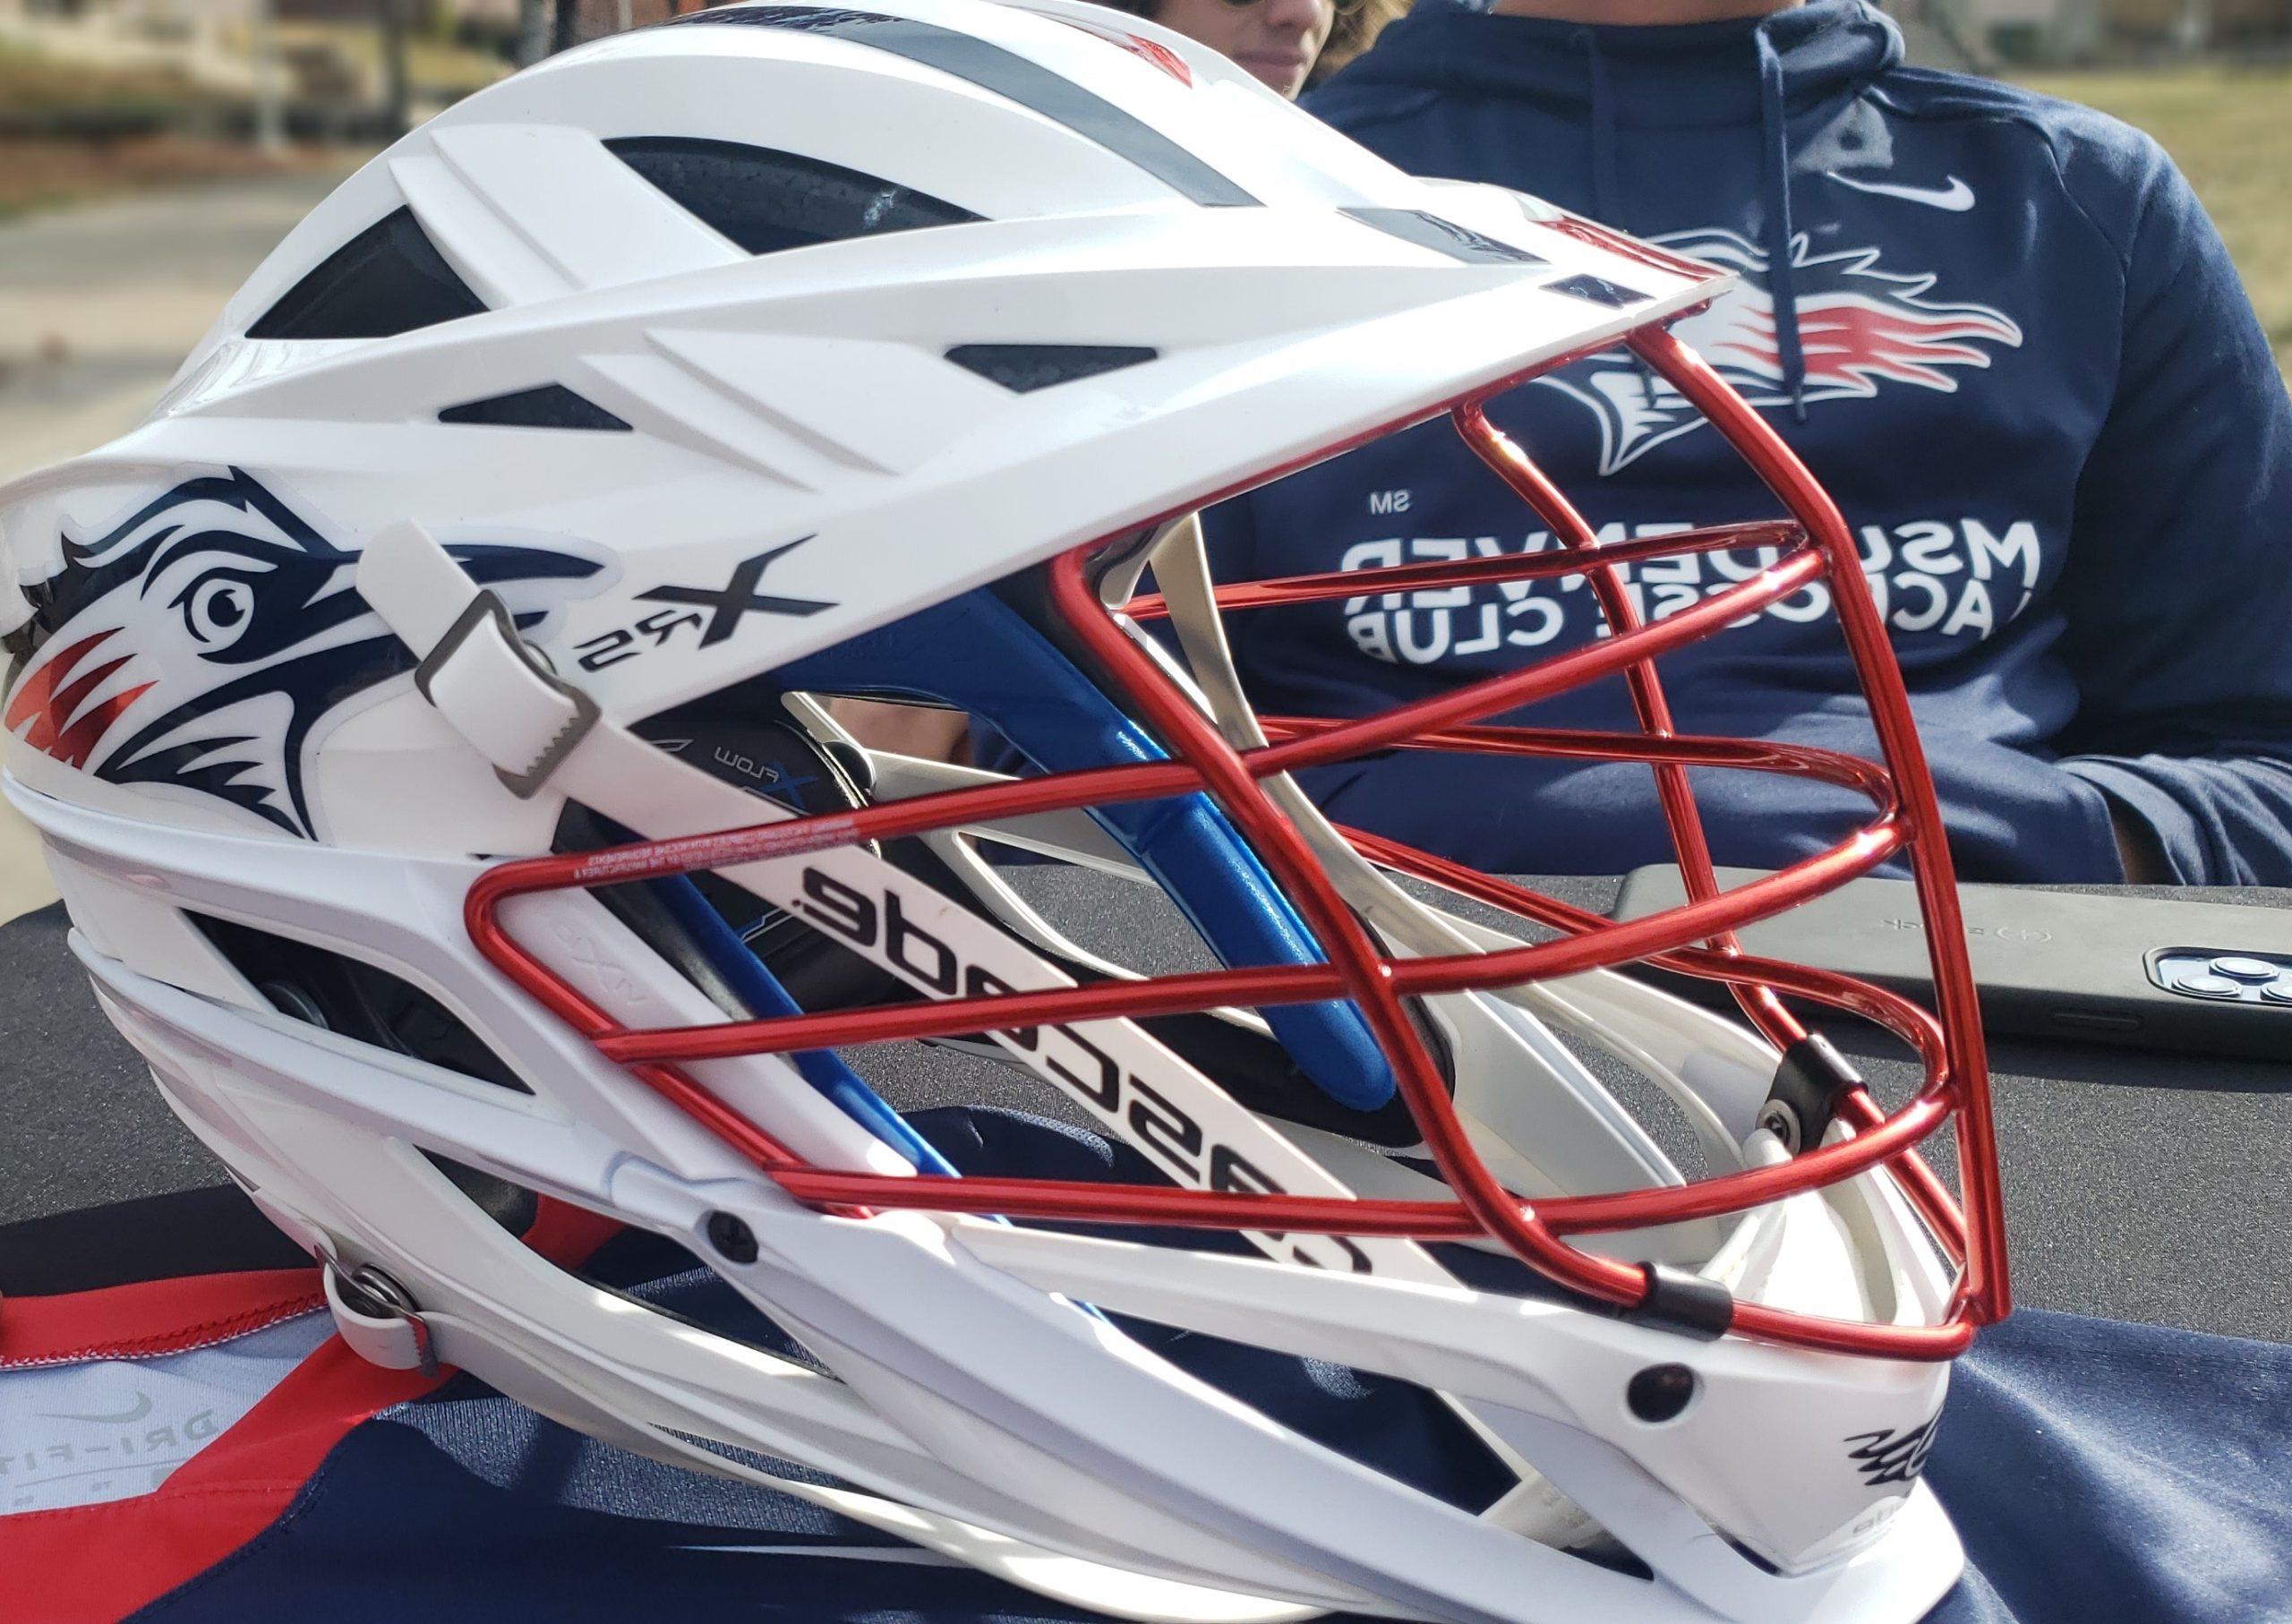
{"type": "Point", "coordinates": [755, 355]}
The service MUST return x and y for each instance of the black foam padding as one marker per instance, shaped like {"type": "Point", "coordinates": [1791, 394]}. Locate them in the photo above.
{"type": "Point", "coordinates": [357, 1000]}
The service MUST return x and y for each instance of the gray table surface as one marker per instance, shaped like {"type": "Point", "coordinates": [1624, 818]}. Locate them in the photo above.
{"type": "Point", "coordinates": [2140, 1186]}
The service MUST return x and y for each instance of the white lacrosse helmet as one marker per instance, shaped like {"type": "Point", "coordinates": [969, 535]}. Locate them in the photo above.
{"type": "Point", "coordinates": [420, 712]}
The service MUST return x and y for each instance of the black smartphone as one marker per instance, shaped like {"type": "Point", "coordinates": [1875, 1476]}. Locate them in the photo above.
{"type": "Point", "coordinates": [2170, 971]}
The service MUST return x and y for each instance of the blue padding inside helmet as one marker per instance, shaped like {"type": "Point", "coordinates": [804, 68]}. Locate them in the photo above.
{"type": "Point", "coordinates": [979, 653]}
{"type": "Point", "coordinates": [760, 990]}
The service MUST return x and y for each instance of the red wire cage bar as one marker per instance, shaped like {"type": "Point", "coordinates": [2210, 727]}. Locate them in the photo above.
{"type": "Point", "coordinates": [1695, 938]}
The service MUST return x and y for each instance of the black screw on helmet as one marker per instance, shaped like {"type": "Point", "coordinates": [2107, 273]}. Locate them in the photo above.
{"type": "Point", "coordinates": [733, 1239]}
{"type": "Point", "coordinates": [1660, 1392]}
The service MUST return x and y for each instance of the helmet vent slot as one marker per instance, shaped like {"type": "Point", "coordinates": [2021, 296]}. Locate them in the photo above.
{"type": "Point", "coordinates": [511, 1205]}
{"type": "Point", "coordinates": [1443, 236]}
{"type": "Point", "coordinates": [1597, 290]}
{"type": "Point", "coordinates": [765, 201]}
{"type": "Point", "coordinates": [1023, 368]}
{"type": "Point", "coordinates": [552, 405]}
{"type": "Point", "coordinates": [355, 1000]}
{"type": "Point", "coordinates": [388, 279]}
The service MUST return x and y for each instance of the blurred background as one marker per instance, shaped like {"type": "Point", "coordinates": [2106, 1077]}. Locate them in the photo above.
{"type": "Point", "coordinates": [151, 153]}
{"type": "Point", "coordinates": [152, 150]}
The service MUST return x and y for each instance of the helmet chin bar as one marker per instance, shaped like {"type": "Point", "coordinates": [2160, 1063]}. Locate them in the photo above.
{"type": "Point", "coordinates": [1694, 938]}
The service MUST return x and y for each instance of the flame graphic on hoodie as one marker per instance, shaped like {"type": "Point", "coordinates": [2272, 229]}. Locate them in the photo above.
{"type": "Point", "coordinates": [1860, 329]}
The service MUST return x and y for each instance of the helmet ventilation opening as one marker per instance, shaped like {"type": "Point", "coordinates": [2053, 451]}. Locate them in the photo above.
{"type": "Point", "coordinates": [355, 1000]}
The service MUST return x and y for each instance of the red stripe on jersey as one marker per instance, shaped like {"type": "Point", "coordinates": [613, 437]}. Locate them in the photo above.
{"type": "Point", "coordinates": [151, 1317]}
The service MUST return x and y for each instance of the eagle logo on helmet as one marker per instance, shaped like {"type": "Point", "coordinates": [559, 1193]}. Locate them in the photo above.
{"type": "Point", "coordinates": [1860, 329]}
{"type": "Point", "coordinates": [199, 643]}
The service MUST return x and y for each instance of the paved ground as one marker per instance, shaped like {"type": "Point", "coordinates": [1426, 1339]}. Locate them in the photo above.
{"type": "Point", "coordinates": [98, 307]}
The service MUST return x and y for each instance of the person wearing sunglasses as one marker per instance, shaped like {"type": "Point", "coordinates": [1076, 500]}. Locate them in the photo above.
{"type": "Point", "coordinates": [1999, 326]}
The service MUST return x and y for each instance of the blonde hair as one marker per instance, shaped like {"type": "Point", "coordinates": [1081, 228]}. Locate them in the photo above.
{"type": "Point", "coordinates": [1358, 24]}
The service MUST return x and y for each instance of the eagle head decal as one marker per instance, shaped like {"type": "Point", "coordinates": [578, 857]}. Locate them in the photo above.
{"type": "Point", "coordinates": [200, 642]}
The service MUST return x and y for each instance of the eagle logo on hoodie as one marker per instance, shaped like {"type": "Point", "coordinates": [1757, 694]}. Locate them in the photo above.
{"type": "Point", "coordinates": [198, 644]}
{"type": "Point", "coordinates": [1860, 329]}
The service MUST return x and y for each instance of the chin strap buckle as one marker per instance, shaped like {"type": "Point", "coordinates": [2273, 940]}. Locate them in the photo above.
{"type": "Point", "coordinates": [540, 708]}
{"type": "Point", "coordinates": [377, 1318]}
{"type": "Point", "coordinates": [498, 690]}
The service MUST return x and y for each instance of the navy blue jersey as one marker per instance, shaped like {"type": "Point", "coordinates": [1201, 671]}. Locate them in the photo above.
{"type": "Point", "coordinates": [1999, 328]}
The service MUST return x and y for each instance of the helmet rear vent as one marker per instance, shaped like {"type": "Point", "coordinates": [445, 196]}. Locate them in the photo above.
{"type": "Point", "coordinates": [388, 279]}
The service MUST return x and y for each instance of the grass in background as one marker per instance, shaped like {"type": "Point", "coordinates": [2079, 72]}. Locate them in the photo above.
{"type": "Point", "coordinates": [2228, 131]}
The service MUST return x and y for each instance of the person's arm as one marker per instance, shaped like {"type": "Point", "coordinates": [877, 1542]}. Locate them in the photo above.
{"type": "Point", "coordinates": [2178, 587]}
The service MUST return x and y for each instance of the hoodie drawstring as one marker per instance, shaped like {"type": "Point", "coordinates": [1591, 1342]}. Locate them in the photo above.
{"type": "Point", "coordinates": [1605, 189]}
{"type": "Point", "coordinates": [1775, 158]}
{"type": "Point", "coordinates": [1774, 165]}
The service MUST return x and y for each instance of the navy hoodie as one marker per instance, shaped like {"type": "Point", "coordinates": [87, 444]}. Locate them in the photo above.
{"type": "Point", "coordinates": [2002, 333]}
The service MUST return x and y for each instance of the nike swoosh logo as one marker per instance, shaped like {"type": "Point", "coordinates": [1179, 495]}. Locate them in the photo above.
{"type": "Point", "coordinates": [142, 1407]}
{"type": "Point", "coordinates": [1957, 197]}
